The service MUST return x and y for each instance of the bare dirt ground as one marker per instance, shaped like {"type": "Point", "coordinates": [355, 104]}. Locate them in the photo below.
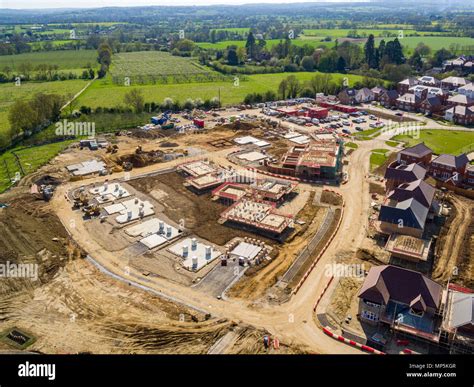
{"type": "Point", "coordinates": [254, 284]}
{"type": "Point", "coordinates": [199, 212]}
{"type": "Point", "coordinates": [73, 308]}
{"type": "Point", "coordinates": [453, 255]}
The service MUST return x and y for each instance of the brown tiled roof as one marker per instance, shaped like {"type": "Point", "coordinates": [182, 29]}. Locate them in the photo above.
{"type": "Point", "coordinates": [384, 283]}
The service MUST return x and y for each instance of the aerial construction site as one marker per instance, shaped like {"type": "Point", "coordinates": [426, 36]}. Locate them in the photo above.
{"type": "Point", "coordinates": [166, 188]}
{"type": "Point", "coordinates": [208, 249]}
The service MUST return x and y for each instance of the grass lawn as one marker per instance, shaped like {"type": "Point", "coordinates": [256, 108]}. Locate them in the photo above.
{"type": "Point", "coordinates": [435, 42]}
{"type": "Point", "coordinates": [391, 143]}
{"type": "Point", "coordinates": [441, 141]}
{"type": "Point", "coordinates": [342, 33]}
{"type": "Point", "coordinates": [106, 94]}
{"type": "Point", "coordinates": [380, 150]}
{"type": "Point", "coordinates": [351, 145]}
{"type": "Point", "coordinates": [377, 158]}
{"type": "Point", "coordinates": [367, 134]}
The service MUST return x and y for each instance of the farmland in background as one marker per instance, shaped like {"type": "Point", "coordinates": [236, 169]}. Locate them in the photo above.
{"type": "Point", "coordinates": [9, 93]}
{"type": "Point", "coordinates": [105, 94]}
{"type": "Point", "coordinates": [158, 67]}
{"type": "Point", "coordinates": [66, 60]}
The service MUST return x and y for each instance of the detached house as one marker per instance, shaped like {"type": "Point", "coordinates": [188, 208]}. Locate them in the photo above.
{"type": "Point", "coordinates": [469, 176]}
{"type": "Point", "coordinates": [364, 95]}
{"type": "Point", "coordinates": [460, 100]}
{"type": "Point", "coordinates": [458, 321]}
{"type": "Point", "coordinates": [431, 105]}
{"type": "Point", "coordinates": [449, 168]}
{"type": "Point", "coordinates": [418, 154]}
{"type": "Point", "coordinates": [421, 191]}
{"type": "Point", "coordinates": [388, 98]}
{"type": "Point", "coordinates": [378, 91]}
{"type": "Point", "coordinates": [406, 84]}
{"type": "Point", "coordinates": [401, 299]}
{"type": "Point", "coordinates": [463, 115]}
{"type": "Point", "coordinates": [428, 81]}
{"type": "Point", "coordinates": [452, 83]}
{"type": "Point", "coordinates": [467, 90]}
{"type": "Point", "coordinates": [410, 102]}
{"type": "Point", "coordinates": [347, 96]}
{"type": "Point", "coordinates": [407, 217]}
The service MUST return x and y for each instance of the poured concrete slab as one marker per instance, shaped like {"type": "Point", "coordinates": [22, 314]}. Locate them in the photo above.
{"type": "Point", "coordinates": [246, 250]}
{"type": "Point", "coordinates": [153, 226]}
{"type": "Point", "coordinates": [114, 208]}
{"type": "Point", "coordinates": [199, 252]}
{"type": "Point", "coordinates": [252, 156]}
{"type": "Point", "coordinates": [114, 189]}
{"type": "Point", "coordinates": [153, 240]}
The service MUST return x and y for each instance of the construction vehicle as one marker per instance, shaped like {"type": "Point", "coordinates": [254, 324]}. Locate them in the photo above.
{"type": "Point", "coordinates": [112, 149]}
{"type": "Point", "coordinates": [127, 166]}
{"type": "Point", "coordinates": [81, 200]}
{"type": "Point", "coordinates": [91, 210]}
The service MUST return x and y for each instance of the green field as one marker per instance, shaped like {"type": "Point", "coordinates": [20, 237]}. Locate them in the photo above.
{"type": "Point", "coordinates": [154, 63]}
{"type": "Point", "coordinates": [343, 33]}
{"type": "Point", "coordinates": [270, 43]}
{"type": "Point", "coordinates": [64, 59]}
{"type": "Point", "coordinates": [435, 42]}
{"type": "Point", "coordinates": [9, 93]}
{"type": "Point", "coordinates": [441, 141]}
{"type": "Point", "coordinates": [106, 94]}
{"type": "Point", "coordinates": [30, 158]}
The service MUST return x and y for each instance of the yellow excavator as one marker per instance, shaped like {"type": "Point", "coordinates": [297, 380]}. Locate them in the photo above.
{"type": "Point", "coordinates": [92, 210]}
{"type": "Point", "coordinates": [81, 200]}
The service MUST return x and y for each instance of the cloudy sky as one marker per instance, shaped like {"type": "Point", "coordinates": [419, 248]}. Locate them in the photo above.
{"type": "Point", "coordinates": [31, 4]}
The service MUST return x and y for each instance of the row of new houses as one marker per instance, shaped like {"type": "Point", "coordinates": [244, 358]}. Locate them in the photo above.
{"type": "Point", "coordinates": [452, 97]}
{"type": "Point", "coordinates": [409, 199]}
{"type": "Point", "coordinates": [406, 301]}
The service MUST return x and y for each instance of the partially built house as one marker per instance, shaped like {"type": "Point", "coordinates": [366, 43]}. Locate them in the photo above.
{"type": "Point", "coordinates": [320, 160]}
{"type": "Point", "coordinates": [258, 216]}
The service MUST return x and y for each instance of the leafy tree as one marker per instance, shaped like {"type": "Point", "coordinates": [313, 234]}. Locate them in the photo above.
{"type": "Point", "coordinates": [308, 63]}
{"type": "Point", "coordinates": [369, 51]}
{"type": "Point", "coordinates": [283, 88]}
{"type": "Point", "coordinates": [341, 65]}
{"type": "Point", "coordinates": [294, 86]}
{"type": "Point", "coordinates": [250, 45]}
{"type": "Point", "coordinates": [232, 57]}
{"type": "Point", "coordinates": [134, 99]}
